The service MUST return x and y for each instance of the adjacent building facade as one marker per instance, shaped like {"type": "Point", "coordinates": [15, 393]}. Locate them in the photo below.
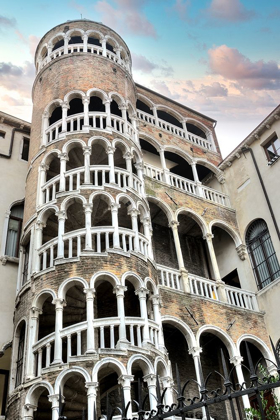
{"type": "Point", "coordinates": [133, 248]}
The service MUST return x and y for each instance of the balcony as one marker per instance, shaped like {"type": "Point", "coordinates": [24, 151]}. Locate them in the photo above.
{"type": "Point", "coordinates": [187, 186]}
{"type": "Point", "coordinates": [102, 239]}
{"type": "Point", "coordinates": [177, 131]}
{"type": "Point", "coordinates": [106, 331]}
{"type": "Point", "coordinates": [170, 278]}
{"type": "Point", "coordinates": [99, 175]}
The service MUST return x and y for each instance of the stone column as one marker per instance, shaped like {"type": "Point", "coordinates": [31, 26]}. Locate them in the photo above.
{"type": "Point", "coordinates": [49, 47]}
{"type": "Point", "coordinates": [119, 291]}
{"type": "Point", "coordinates": [87, 153]}
{"type": "Point", "coordinates": [148, 233]}
{"type": "Point", "coordinates": [92, 388]}
{"type": "Point", "coordinates": [134, 215]}
{"type": "Point", "coordinates": [168, 383]}
{"type": "Point", "coordinates": [140, 167]}
{"type": "Point", "coordinates": [108, 112]}
{"type": "Point", "coordinates": [85, 40]}
{"type": "Point", "coordinates": [90, 295]}
{"type": "Point", "coordinates": [166, 177]}
{"type": "Point", "coordinates": [156, 310]}
{"type": "Point", "coordinates": [66, 39]}
{"type": "Point", "coordinates": [59, 304]}
{"type": "Point", "coordinates": [142, 293]}
{"type": "Point", "coordinates": [128, 159]}
{"type": "Point", "coordinates": [103, 43]}
{"type": "Point", "coordinates": [55, 405]}
{"type": "Point", "coordinates": [237, 361]}
{"type": "Point", "coordinates": [29, 410]}
{"type": "Point", "coordinates": [43, 168]}
{"type": "Point", "coordinates": [31, 340]}
{"type": "Point", "coordinates": [38, 243]}
{"type": "Point", "coordinates": [184, 274]}
{"type": "Point", "coordinates": [155, 115]}
{"type": "Point", "coordinates": [61, 216]}
{"type": "Point", "coordinates": [65, 108]}
{"type": "Point", "coordinates": [123, 109]}
{"type": "Point", "coordinates": [151, 382]}
{"type": "Point", "coordinates": [86, 112]}
{"type": "Point", "coordinates": [110, 152]}
{"type": "Point", "coordinates": [118, 54]}
{"type": "Point", "coordinates": [45, 125]}
{"type": "Point", "coordinates": [196, 179]}
{"type": "Point", "coordinates": [195, 352]}
{"type": "Point", "coordinates": [115, 224]}
{"type": "Point", "coordinates": [62, 181]}
{"type": "Point", "coordinates": [125, 382]}
{"type": "Point", "coordinates": [88, 211]}
{"type": "Point", "coordinates": [135, 128]}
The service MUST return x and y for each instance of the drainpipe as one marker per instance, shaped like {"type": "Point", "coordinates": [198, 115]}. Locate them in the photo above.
{"type": "Point", "coordinates": [248, 149]}
{"type": "Point", "coordinates": [20, 130]}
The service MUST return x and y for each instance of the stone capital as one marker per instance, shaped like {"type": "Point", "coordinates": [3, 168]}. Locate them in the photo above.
{"type": "Point", "coordinates": [173, 224]}
{"type": "Point", "coordinates": [221, 177]}
{"type": "Point", "coordinates": [242, 251]}
{"type": "Point", "coordinates": [119, 290]}
{"type": "Point", "coordinates": [195, 351]}
{"type": "Point", "coordinates": [127, 155]}
{"type": "Point", "coordinates": [61, 215]}
{"type": "Point", "coordinates": [142, 292]}
{"type": "Point", "coordinates": [236, 360]}
{"type": "Point", "coordinates": [133, 212]}
{"type": "Point", "coordinates": [114, 207]}
{"type": "Point", "coordinates": [125, 380]}
{"type": "Point", "coordinates": [64, 156]}
{"type": "Point", "coordinates": [88, 207]}
{"type": "Point", "coordinates": [44, 167]}
{"type": "Point", "coordinates": [208, 237]}
{"type": "Point", "coordinates": [59, 303]}
{"type": "Point", "coordinates": [151, 379]}
{"type": "Point", "coordinates": [110, 150]}
{"type": "Point", "coordinates": [35, 312]}
{"type": "Point", "coordinates": [39, 225]}
{"type": "Point", "coordinates": [86, 150]}
{"type": "Point", "coordinates": [90, 293]}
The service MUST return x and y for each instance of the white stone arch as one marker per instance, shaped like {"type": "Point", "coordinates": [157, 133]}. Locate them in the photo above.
{"type": "Point", "coordinates": [15, 203]}
{"type": "Point", "coordinates": [151, 140]}
{"type": "Point", "coordinates": [71, 31]}
{"type": "Point", "coordinates": [130, 108]}
{"type": "Point", "coordinates": [134, 279]}
{"type": "Point", "coordinates": [161, 360]}
{"type": "Point", "coordinates": [55, 103]}
{"type": "Point", "coordinates": [118, 141]}
{"type": "Point", "coordinates": [126, 56]}
{"type": "Point", "coordinates": [23, 319]}
{"type": "Point", "coordinates": [164, 207]}
{"type": "Point", "coordinates": [76, 93]}
{"type": "Point", "coordinates": [179, 152]}
{"type": "Point", "coordinates": [114, 42]}
{"type": "Point", "coordinates": [143, 208]}
{"type": "Point", "coordinates": [182, 327]}
{"type": "Point", "coordinates": [199, 124]}
{"type": "Point", "coordinates": [170, 111]}
{"type": "Point", "coordinates": [48, 156]}
{"type": "Point", "coordinates": [71, 144]}
{"type": "Point", "coordinates": [225, 226]}
{"type": "Point", "coordinates": [104, 275]}
{"type": "Point", "coordinates": [193, 215]}
{"type": "Point", "coordinates": [60, 35]}
{"type": "Point", "coordinates": [44, 214]}
{"type": "Point", "coordinates": [258, 342]}
{"type": "Point", "coordinates": [41, 297]}
{"type": "Point", "coordinates": [67, 373]}
{"type": "Point", "coordinates": [108, 197]}
{"type": "Point", "coordinates": [117, 98]}
{"type": "Point", "coordinates": [144, 363]}
{"type": "Point", "coordinates": [66, 203]}
{"type": "Point", "coordinates": [36, 390]}
{"type": "Point", "coordinates": [108, 362]}
{"type": "Point", "coordinates": [209, 165]}
{"type": "Point", "coordinates": [68, 283]}
{"type": "Point", "coordinates": [99, 140]}
{"type": "Point", "coordinates": [94, 31]}
{"type": "Point", "coordinates": [123, 196]}
{"type": "Point", "coordinates": [99, 93]}
{"type": "Point", "coordinates": [153, 284]}
{"type": "Point", "coordinates": [137, 153]}
{"type": "Point", "coordinates": [221, 334]}
{"type": "Point", "coordinates": [39, 54]}
{"type": "Point", "coordinates": [16, 336]}
{"type": "Point", "coordinates": [146, 100]}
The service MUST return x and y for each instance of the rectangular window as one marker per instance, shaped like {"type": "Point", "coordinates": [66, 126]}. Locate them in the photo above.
{"type": "Point", "coordinates": [25, 149]}
{"type": "Point", "coordinates": [2, 134]}
{"type": "Point", "coordinates": [272, 149]}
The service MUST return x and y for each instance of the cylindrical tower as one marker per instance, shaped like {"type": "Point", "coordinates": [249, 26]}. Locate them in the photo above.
{"type": "Point", "coordinates": [88, 298]}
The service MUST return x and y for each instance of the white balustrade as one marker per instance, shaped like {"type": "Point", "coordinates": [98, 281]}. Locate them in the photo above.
{"type": "Point", "coordinates": [153, 172]}
{"type": "Point", "coordinates": [74, 178]}
{"type": "Point", "coordinates": [50, 189]}
{"type": "Point", "coordinates": [94, 49]}
{"type": "Point", "coordinates": [169, 277]}
{"type": "Point", "coordinates": [154, 333]}
{"type": "Point", "coordinates": [215, 196]}
{"type": "Point", "coordinates": [107, 330]}
{"type": "Point", "coordinates": [56, 53]}
{"type": "Point", "coordinates": [203, 287]}
{"type": "Point", "coordinates": [75, 122]}
{"type": "Point", "coordinates": [72, 335]}
{"type": "Point", "coordinates": [241, 298]}
{"type": "Point", "coordinates": [75, 48]}
{"type": "Point", "coordinates": [52, 132]}
{"type": "Point", "coordinates": [74, 243]}
{"type": "Point", "coordinates": [43, 352]}
{"type": "Point", "coordinates": [47, 254]}
{"type": "Point", "coordinates": [97, 120]}
{"type": "Point", "coordinates": [183, 184]}
{"type": "Point", "coordinates": [180, 132]}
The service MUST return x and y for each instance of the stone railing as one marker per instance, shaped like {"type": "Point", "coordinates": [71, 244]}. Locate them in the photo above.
{"type": "Point", "coordinates": [88, 48]}
{"type": "Point", "coordinates": [177, 131]}
{"type": "Point", "coordinates": [199, 286]}
{"type": "Point", "coordinates": [97, 121]}
{"type": "Point", "coordinates": [106, 331]}
{"type": "Point", "coordinates": [188, 186]}
{"type": "Point", "coordinates": [74, 179]}
{"type": "Point", "coordinates": [102, 239]}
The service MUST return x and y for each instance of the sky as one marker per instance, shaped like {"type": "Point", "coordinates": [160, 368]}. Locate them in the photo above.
{"type": "Point", "coordinates": [219, 57]}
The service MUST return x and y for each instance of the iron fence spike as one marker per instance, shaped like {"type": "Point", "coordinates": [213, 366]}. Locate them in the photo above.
{"type": "Point", "coordinates": [275, 354]}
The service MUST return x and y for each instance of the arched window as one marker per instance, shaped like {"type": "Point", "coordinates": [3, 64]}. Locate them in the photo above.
{"type": "Point", "coordinates": [20, 355]}
{"type": "Point", "coordinates": [14, 231]}
{"type": "Point", "coordinates": [262, 254]}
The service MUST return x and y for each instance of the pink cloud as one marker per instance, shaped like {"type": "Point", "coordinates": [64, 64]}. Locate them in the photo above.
{"type": "Point", "coordinates": [231, 64]}
{"type": "Point", "coordinates": [215, 89]}
{"type": "Point", "coordinates": [17, 78]}
{"type": "Point", "coordinates": [229, 10]}
{"type": "Point", "coordinates": [181, 7]}
{"type": "Point", "coordinates": [126, 17]}
{"type": "Point", "coordinates": [12, 101]}
{"type": "Point", "coordinates": [144, 65]}
{"type": "Point", "coordinates": [33, 41]}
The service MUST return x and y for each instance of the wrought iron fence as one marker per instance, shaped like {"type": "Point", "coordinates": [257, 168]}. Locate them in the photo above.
{"type": "Point", "coordinates": [204, 400]}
